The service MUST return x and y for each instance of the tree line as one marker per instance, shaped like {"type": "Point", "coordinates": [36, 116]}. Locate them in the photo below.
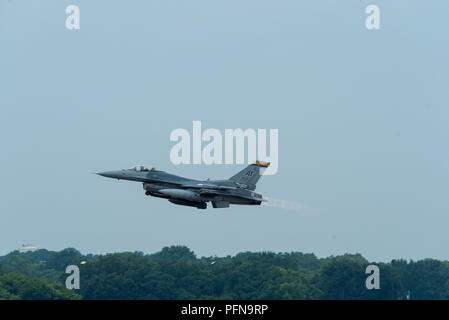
{"type": "Point", "coordinates": [176, 273]}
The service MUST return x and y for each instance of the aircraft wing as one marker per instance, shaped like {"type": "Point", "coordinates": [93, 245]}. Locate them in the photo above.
{"type": "Point", "coordinates": [209, 189]}
{"type": "Point", "coordinates": [207, 186]}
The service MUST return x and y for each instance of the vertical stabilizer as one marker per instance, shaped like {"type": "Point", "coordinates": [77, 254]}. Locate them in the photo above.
{"type": "Point", "coordinates": [250, 175]}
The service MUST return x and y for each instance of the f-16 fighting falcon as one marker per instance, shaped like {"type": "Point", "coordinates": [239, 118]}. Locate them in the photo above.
{"type": "Point", "coordinates": [239, 189]}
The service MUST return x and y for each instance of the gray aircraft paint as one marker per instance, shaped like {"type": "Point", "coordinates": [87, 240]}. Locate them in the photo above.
{"type": "Point", "coordinates": [239, 189]}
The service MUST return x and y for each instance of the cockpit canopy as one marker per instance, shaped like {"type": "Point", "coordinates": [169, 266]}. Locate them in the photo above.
{"type": "Point", "coordinates": [142, 169]}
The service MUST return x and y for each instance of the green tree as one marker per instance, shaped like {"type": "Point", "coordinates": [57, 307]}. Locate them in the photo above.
{"type": "Point", "coordinates": [19, 286]}
{"type": "Point", "coordinates": [60, 260]}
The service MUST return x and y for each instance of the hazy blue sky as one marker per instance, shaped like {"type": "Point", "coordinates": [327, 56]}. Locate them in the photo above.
{"type": "Point", "coordinates": [362, 118]}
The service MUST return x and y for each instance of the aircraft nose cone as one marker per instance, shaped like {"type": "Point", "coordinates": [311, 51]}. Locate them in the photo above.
{"type": "Point", "coordinates": [108, 174]}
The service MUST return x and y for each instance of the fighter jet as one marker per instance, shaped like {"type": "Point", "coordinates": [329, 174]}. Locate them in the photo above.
{"type": "Point", "coordinates": [239, 189]}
